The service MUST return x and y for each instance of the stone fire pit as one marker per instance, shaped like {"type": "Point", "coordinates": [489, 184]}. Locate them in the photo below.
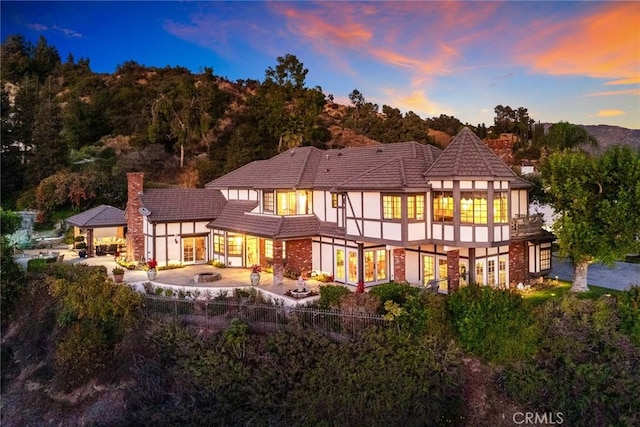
{"type": "Point", "coordinates": [206, 277]}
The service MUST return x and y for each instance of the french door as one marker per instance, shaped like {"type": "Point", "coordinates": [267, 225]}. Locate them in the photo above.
{"type": "Point", "coordinates": [194, 250]}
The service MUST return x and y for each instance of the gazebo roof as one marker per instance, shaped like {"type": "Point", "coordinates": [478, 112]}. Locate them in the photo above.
{"type": "Point", "coordinates": [100, 216]}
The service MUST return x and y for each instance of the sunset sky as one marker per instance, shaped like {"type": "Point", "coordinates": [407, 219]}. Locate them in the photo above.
{"type": "Point", "coordinates": [571, 61]}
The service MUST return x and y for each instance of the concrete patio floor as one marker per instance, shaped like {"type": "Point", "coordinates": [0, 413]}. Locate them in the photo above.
{"type": "Point", "coordinates": [183, 278]}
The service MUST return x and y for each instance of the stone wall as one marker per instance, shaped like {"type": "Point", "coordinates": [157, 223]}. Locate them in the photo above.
{"type": "Point", "coordinates": [518, 264]}
{"type": "Point", "coordinates": [135, 234]}
{"type": "Point", "coordinates": [299, 257]}
{"type": "Point", "coordinates": [399, 265]}
{"type": "Point", "coordinates": [453, 270]}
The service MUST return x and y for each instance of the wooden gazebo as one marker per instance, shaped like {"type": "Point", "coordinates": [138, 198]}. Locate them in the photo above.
{"type": "Point", "coordinates": [103, 216]}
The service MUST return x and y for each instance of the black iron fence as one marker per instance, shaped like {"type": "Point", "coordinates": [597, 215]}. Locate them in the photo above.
{"type": "Point", "coordinates": [217, 314]}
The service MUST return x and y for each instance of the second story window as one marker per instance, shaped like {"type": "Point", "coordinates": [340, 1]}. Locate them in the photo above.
{"type": "Point", "coordinates": [473, 208]}
{"type": "Point", "coordinates": [500, 211]}
{"type": "Point", "coordinates": [391, 207]}
{"type": "Point", "coordinates": [443, 206]}
{"type": "Point", "coordinates": [294, 202]}
{"type": "Point", "coordinates": [335, 200]}
{"type": "Point", "coordinates": [267, 201]}
{"type": "Point", "coordinates": [415, 207]}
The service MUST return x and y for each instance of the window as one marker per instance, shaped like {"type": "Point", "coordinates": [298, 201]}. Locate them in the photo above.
{"type": "Point", "coordinates": [443, 274]}
{"type": "Point", "coordinates": [267, 201]}
{"type": "Point", "coordinates": [545, 259]}
{"type": "Point", "coordinates": [334, 200]}
{"type": "Point", "coordinates": [391, 207]}
{"type": "Point", "coordinates": [491, 272]}
{"type": "Point", "coordinates": [234, 245]}
{"type": "Point", "coordinates": [500, 211]}
{"type": "Point", "coordinates": [218, 244]}
{"type": "Point", "coordinates": [375, 265]}
{"type": "Point", "coordinates": [268, 249]}
{"type": "Point", "coordinates": [415, 207]}
{"type": "Point", "coordinates": [473, 208]}
{"type": "Point", "coordinates": [428, 271]}
{"type": "Point", "coordinates": [294, 202]}
{"type": "Point", "coordinates": [502, 272]}
{"type": "Point", "coordinates": [443, 206]}
{"type": "Point", "coordinates": [479, 273]}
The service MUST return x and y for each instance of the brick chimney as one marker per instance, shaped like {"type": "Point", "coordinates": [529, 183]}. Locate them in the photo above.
{"type": "Point", "coordinates": [135, 234]}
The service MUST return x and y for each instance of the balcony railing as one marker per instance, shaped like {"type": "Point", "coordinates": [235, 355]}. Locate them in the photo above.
{"type": "Point", "coordinates": [523, 226]}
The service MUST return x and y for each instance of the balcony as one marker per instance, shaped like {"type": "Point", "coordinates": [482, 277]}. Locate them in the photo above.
{"type": "Point", "coordinates": [527, 226]}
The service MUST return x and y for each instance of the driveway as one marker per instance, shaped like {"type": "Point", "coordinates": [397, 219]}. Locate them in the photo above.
{"type": "Point", "coordinates": [622, 276]}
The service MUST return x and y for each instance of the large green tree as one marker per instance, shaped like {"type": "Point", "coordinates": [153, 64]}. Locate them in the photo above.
{"type": "Point", "coordinates": [598, 200]}
{"type": "Point", "coordinates": [567, 136]}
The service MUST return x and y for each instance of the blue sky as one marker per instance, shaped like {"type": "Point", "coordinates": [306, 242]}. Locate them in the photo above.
{"type": "Point", "coordinates": [572, 61]}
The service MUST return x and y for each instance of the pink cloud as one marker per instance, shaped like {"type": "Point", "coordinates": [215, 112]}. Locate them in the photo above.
{"type": "Point", "coordinates": [603, 44]}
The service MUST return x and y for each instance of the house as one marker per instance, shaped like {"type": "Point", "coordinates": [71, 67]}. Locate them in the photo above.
{"type": "Point", "coordinates": [403, 211]}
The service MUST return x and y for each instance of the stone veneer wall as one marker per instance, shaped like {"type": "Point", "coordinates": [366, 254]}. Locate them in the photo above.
{"type": "Point", "coordinates": [278, 268]}
{"type": "Point", "coordinates": [518, 264]}
{"type": "Point", "coordinates": [399, 265]}
{"type": "Point", "coordinates": [453, 270]}
{"type": "Point", "coordinates": [135, 234]}
{"type": "Point", "coordinates": [299, 257]}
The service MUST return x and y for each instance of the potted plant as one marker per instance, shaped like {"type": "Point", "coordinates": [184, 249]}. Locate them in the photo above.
{"type": "Point", "coordinates": [151, 269]}
{"type": "Point", "coordinates": [255, 274]}
{"type": "Point", "coordinates": [118, 274]}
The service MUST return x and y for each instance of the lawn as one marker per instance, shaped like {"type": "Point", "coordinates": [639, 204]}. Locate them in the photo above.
{"type": "Point", "coordinates": [556, 289]}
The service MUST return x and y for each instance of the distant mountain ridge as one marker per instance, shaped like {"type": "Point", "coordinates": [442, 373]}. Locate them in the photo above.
{"type": "Point", "coordinates": [608, 135]}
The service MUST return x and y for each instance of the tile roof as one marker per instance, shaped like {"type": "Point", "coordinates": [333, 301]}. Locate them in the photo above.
{"type": "Point", "coordinates": [237, 216]}
{"type": "Point", "coordinates": [182, 204]}
{"type": "Point", "coordinates": [292, 169]}
{"type": "Point", "coordinates": [357, 167]}
{"type": "Point", "coordinates": [467, 156]}
{"type": "Point", "coordinates": [100, 216]}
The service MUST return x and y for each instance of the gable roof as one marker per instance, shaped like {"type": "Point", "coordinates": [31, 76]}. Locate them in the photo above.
{"type": "Point", "coordinates": [237, 216]}
{"type": "Point", "coordinates": [295, 168]}
{"type": "Point", "coordinates": [182, 204]}
{"type": "Point", "coordinates": [467, 156]}
{"type": "Point", "coordinates": [357, 167]}
{"type": "Point", "coordinates": [100, 216]}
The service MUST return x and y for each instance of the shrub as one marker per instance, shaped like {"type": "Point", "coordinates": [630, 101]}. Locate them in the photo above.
{"type": "Point", "coordinates": [36, 265]}
{"type": "Point", "coordinates": [331, 295]}
{"type": "Point", "coordinates": [586, 369]}
{"type": "Point", "coordinates": [393, 291]}
{"type": "Point", "coordinates": [94, 314]}
{"type": "Point", "coordinates": [422, 313]}
{"type": "Point", "coordinates": [629, 312]}
{"type": "Point", "coordinates": [493, 324]}
{"type": "Point", "coordinates": [117, 271]}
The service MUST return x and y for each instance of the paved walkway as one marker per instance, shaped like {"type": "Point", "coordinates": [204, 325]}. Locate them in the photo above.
{"type": "Point", "coordinates": [183, 278]}
{"type": "Point", "coordinates": [622, 276]}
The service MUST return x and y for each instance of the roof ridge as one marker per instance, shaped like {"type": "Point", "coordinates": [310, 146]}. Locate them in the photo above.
{"type": "Point", "coordinates": [403, 174]}
{"type": "Point", "coordinates": [98, 212]}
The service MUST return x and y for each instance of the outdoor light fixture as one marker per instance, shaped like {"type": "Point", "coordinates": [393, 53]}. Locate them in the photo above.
{"type": "Point", "coordinates": [175, 238]}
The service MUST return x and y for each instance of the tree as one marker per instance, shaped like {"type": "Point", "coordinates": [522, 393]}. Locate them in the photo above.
{"type": "Point", "coordinates": [598, 200]}
{"type": "Point", "coordinates": [50, 152]}
{"type": "Point", "coordinates": [11, 274]}
{"type": "Point", "coordinates": [566, 136]}
{"type": "Point", "coordinates": [289, 72]}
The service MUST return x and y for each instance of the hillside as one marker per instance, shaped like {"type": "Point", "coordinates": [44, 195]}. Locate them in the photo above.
{"type": "Point", "coordinates": [611, 135]}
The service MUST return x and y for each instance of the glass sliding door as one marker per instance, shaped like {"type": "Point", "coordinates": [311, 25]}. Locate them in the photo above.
{"type": "Point", "coordinates": [375, 265]}
{"type": "Point", "coordinates": [194, 250]}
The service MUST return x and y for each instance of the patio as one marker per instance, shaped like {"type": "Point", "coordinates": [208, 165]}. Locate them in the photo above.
{"type": "Point", "coordinates": [184, 278]}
